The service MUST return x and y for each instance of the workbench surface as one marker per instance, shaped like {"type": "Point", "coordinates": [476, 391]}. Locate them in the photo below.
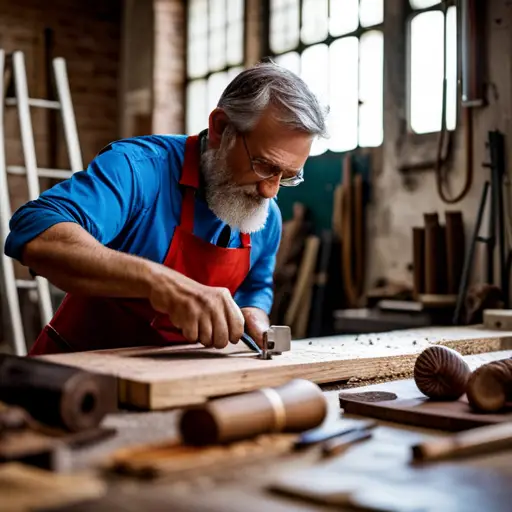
{"type": "Point", "coordinates": [244, 487]}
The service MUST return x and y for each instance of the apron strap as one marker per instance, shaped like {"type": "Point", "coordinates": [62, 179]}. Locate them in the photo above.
{"type": "Point", "coordinates": [190, 180]}
{"type": "Point", "coordinates": [190, 171]}
{"type": "Point", "coordinates": [246, 239]}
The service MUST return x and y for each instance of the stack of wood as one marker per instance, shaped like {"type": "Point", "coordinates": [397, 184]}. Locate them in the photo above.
{"type": "Point", "coordinates": [294, 274]}
{"type": "Point", "coordinates": [438, 258]}
{"type": "Point", "coordinates": [349, 227]}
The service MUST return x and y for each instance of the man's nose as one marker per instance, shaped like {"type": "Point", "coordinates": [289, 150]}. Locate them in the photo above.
{"type": "Point", "coordinates": [268, 188]}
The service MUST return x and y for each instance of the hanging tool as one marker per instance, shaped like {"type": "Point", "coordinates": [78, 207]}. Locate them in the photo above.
{"type": "Point", "coordinates": [15, 68]}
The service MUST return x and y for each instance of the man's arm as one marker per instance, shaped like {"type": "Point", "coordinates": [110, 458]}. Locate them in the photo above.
{"type": "Point", "coordinates": [55, 237]}
{"type": "Point", "coordinates": [256, 294]}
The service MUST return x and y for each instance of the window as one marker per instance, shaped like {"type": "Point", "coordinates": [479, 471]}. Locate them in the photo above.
{"type": "Point", "coordinates": [215, 55]}
{"type": "Point", "coordinates": [337, 47]}
{"type": "Point", "coordinates": [427, 54]}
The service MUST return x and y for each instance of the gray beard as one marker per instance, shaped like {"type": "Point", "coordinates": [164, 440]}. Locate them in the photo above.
{"type": "Point", "coordinates": [239, 206]}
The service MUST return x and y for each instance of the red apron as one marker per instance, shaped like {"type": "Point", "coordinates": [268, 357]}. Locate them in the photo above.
{"type": "Point", "coordinates": [93, 323]}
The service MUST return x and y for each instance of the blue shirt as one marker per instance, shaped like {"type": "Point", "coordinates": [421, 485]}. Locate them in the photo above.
{"type": "Point", "coordinates": [129, 199]}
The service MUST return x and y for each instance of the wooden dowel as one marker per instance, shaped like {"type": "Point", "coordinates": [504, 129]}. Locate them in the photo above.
{"type": "Point", "coordinates": [478, 441]}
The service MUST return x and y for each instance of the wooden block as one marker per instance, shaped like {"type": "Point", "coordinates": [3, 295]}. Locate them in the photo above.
{"type": "Point", "coordinates": [175, 376]}
{"type": "Point", "coordinates": [498, 319]}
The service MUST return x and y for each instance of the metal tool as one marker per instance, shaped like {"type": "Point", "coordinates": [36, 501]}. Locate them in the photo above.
{"type": "Point", "coordinates": [276, 340]}
{"type": "Point", "coordinates": [338, 445]}
{"type": "Point", "coordinates": [250, 343]}
{"type": "Point", "coordinates": [332, 431]}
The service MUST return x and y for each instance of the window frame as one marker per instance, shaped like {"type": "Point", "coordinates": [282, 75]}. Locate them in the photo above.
{"type": "Point", "coordinates": [410, 14]}
{"type": "Point", "coordinates": [188, 79]}
{"type": "Point", "coordinates": [301, 46]}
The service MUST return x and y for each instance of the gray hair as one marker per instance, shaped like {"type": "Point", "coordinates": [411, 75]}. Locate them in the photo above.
{"type": "Point", "coordinates": [253, 90]}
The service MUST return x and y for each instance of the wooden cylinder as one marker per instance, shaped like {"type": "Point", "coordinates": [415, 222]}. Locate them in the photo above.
{"type": "Point", "coordinates": [435, 255]}
{"type": "Point", "coordinates": [56, 395]}
{"type": "Point", "coordinates": [489, 388]}
{"type": "Point", "coordinates": [455, 250]}
{"type": "Point", "coordinates": [477, 441]}
{"type": "Point", "coordinates": [418, 260]}
{"type": "Point", "coordinates": [296, 406]}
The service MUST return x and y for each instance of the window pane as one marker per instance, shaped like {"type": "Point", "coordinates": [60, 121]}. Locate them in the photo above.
{"type": "Point", "coordinates": [314, 21]}
{"type": "Point", "coordinates": [344, 17]}
{"type": "Point", "coordinates": [216, 85]}
{"type": "Point", "coordinates": [426, 71]}
{"type": "Point", "coordinates": [344, 94]}
{"type": "Point", "coordinates": [197, 49]}
{"type": "Point", "coordinates": [284, 25]}
{"type": "Point", "coordinates": [289, 61]}
{"type": "Point", "coordinates": [315, 72]}
{"type": "Point", "coordinates": [198, 19]}
{"type": "Point", "coordinates": [217, 43]}
{"type": "Point", "coordinates": [217, 14]}
{"type": "Point", "coordinates": [371, 69]}
{"type": "Point", "coordinates": [371, 12]}
{"type": "Point", "coordinates": [235, 43]}
{"type": "Point", "coordinates": [423, 4]}
{"type": "Point", "coordinates": [235, 10]}
{"type": "Point", "coordinates": [197, 115]}
{"type": "Point", "coordinates": [451, 71]}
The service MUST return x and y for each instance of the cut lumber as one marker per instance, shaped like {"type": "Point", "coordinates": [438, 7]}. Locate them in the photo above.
{"type": "Point", "coordinates": [175, 376]}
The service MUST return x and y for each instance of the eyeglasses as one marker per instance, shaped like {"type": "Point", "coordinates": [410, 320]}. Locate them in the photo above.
{"type": "Point", "coordinates": [265, 170]}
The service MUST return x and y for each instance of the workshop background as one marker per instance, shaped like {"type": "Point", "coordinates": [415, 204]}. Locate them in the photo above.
{"type": "Point", "coordinates": [158, 66]}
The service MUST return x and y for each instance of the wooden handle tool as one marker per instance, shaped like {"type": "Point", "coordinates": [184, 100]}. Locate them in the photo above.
{"type": "Point", "coordinates": [339, 445]}
{"type": "Point", "coordinates": [478, 441]}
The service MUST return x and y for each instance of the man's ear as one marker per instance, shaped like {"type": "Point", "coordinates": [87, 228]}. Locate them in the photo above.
{"type": "Point", "coordinates": [217, 123]}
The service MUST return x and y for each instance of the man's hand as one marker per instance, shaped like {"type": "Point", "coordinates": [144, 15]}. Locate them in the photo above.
{"type": "Point", "coordinates": [69, 257]}
{"type": "Point", "coordinates": [203, 313]}
{"type": "Point", "coordinates": [256, 323]}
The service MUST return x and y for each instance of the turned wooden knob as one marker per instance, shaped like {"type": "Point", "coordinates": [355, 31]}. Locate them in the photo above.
{"type": "Point", "coordinates": [490, 386]}
{"type": "Point", "coordinates": [441, 373]}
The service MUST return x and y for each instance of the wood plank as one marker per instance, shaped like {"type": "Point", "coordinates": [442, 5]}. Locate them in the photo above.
{"type": "Point", "coordinates": [423, 412]}
{"type": "Point", "coordinates": [164, 377]}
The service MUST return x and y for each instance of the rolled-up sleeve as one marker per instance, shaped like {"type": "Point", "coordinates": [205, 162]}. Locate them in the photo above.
{"type": "Point", "coordinates": [257, 290]}
{"type": "Point", "coordinates": [102, 199]}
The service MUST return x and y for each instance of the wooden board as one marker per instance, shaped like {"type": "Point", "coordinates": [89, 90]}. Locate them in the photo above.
{"type": "Point", "coordinates": [163, 377]}
{"type": "Point", "coordinates": [422, 412]}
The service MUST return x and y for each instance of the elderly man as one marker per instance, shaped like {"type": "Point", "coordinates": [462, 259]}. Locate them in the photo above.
{"type": "Point", "coordinates": [173, 238]}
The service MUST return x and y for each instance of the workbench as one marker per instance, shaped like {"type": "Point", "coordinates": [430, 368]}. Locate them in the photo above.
{"type": "Point", "coordinates": [244, 487]}
{"type": "Point", "coordinates": [243, 484]}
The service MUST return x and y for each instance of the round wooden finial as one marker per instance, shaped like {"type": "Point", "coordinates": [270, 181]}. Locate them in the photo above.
{"type": "Point", "coordinates": [490, 386]}
{"type": "Point", "coordinates": [441, 373]}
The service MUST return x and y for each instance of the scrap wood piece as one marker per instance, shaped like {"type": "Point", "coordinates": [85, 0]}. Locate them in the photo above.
{"type": "Point", "coordinates": [498, 319]}
{"type": "Point", "coordinates": [305, 280]}
{"type": "Point", "coordinates": [157, 459]}
{"type": "Point", "coordinates": [24, 488]}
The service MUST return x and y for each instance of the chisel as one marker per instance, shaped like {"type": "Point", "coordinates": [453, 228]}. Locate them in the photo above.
{"type": "Point", "coordinates": [250, 343]}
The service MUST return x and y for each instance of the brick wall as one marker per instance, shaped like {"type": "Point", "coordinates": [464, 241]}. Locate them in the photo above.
{"type": "Point", "coordinates": [169, 66]}
{"type": "Point", "coordinates": [87, 35]}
